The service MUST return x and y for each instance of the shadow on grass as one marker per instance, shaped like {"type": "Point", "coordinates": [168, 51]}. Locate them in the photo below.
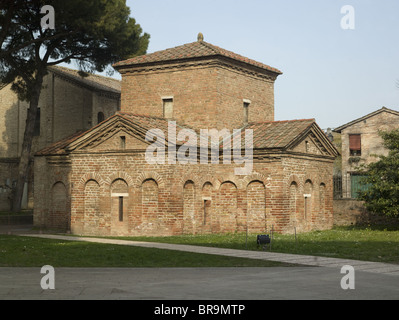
{"type": "Point", "coordinates": [379, 243]}
{"type": "Point", "coordinates": [380, 227]}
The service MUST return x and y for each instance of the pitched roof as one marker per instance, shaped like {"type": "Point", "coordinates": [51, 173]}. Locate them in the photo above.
{"type": "Point", "coordinates": [58, 148]}
{"type": "Point", "coordinates": [194, 50]}
{"type": "Point", "coordinates": [146, 122]}
{"type": "Point", "coordinates": [92, 81]}
{"type": "Point", "coordinates": [277, 134]}
{"type": "Point", "coordinates": [383, 109]}
{"type": "Point", "coordinates": [141, 123]}
{"type": "Point", "coordinates": [266, 135]}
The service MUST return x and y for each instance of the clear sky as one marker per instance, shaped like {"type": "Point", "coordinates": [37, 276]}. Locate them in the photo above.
{"type": "Point", "coordinates": [332, 74]}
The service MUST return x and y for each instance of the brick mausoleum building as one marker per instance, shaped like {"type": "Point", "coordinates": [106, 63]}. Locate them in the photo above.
{"type": "Point", "coordinates": [103, 182]}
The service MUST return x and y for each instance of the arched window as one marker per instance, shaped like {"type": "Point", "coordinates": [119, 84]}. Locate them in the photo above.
{"type": "Point", "coordinates": [100, 117]}
{"type": "Point", "coordinates": [119, 193]}
{"type": "Point", "coordinates": [322, 198]}
{"type": "Point", "coordinates": [207, 202]}
{"type": "Point", "coordinates": [308, 199]}
{"type": "Point", "coordinates": [294, 212]}
{"type": "Point", "coordinates": [189, 207]}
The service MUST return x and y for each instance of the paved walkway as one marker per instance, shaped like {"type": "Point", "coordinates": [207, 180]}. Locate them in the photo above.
{"type": "Point", "coordinates": [366, 266]}
{"type": "Point", "coordinates": [320, 278]}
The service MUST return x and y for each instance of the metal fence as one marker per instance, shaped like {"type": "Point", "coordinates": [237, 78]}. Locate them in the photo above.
{"type": "Point", "coordinates": [348, 187]}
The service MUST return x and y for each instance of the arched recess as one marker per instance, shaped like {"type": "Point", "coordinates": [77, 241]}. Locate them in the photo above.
{"type": "Point", "coordinates": [100, 117]}
{"type": "Point", "coordinates": [59, 213]}
{"type": "Point", "coordinates": [148, 175]}
{"type": "Point", "coordinates": [322, 199]}
{"type": "Point", "coordinates": [91, 220]}
{"type": "Point", "coordinates": [207, 209]}
{"type": "Point", "coordinates": [119, 176]}
{"type": "Point", "coordinates": [294, 200]}
{"type": "Point", "coordinates": [226, 210]}
{"type": "Point", "coordinates": [87, 177]}
{"type": "Point", "coordinates": [189, 225]}
{"type": "Point", "coordinates": [308, 196]}
{"type": "Point", "coordinates": [256, 207]}
{"type": "Point", "coordinates": [149, 205]}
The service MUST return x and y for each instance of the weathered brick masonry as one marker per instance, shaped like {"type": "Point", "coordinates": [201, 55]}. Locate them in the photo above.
{"type": "Point", "coordinates": [99, 182]}
{"type": "Point", "coordinates": [203, 95]}
{"type": "Point", "coordinates": [68, 103]}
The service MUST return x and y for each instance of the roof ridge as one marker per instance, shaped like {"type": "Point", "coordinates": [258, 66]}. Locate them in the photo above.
{"type": "Point", "coordinates": [139, 115]}
{"type": "Point", "coordinates": [281, 121]}
{"type": "Point", "coordinates": [192, 50]}
{"type": "Point", "coordinates": [89, 74]}
{"type": "Point", "coordinates": [371, 114]}
{"type": "Point", "coordinates": [178, 124]}
{"type": "Point", "coordinates": [214, 48]}
{"type": "Point", "coordinates": [94, 81]}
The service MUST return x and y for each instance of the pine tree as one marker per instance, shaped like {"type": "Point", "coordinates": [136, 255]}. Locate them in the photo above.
{"type": "Point", "coordinates": [93, 33]}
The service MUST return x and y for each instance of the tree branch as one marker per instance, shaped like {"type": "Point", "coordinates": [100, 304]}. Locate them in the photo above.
{"type": "Point", "coordinates": [35, 40]}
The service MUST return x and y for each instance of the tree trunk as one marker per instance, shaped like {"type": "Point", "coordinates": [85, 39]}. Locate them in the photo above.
{"type": "Point", "coordinates": [25, 158]}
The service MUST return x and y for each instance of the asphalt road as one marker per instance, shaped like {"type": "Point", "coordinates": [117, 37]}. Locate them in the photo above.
{"type": "Point", "coordinates": [321, 279]}
{"type": "Point", "coordinates": [289, 283]}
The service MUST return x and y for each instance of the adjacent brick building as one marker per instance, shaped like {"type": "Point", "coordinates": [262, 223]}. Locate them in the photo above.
{"type": "Point", "coordinates": [102, 181]}
{"type": "Point", "coordinates": [68, 103]}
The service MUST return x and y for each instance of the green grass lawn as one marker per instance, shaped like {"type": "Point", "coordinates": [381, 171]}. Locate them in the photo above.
{"type": "Point", "coordinates": [380, 244]}
{"type": "Point", "coordinates": [35, 252]}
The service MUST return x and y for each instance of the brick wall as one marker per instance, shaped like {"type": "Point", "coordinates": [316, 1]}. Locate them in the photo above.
{"type": "Point", "coordinates": [52, 192]}
{"type": "Point", "coordinates": [286, 190]}
{"type": "Point", "coordinates": [179, 199]}
{"type": "Point", "coordinates": [349, 212]}
{"type": "Point", "coordinates": [209, 96]}
{"type": "Point", "coordinates": [65, 107]}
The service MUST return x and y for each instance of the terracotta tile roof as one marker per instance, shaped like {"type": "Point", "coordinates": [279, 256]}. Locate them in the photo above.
{"type": "Point", "coordinates": [58, 148]}
{"type": "Point", "coordinates": [142, 124]}
{"type": "Point", "coordinates": [146, 122]}
{"type": "Point", "coordinates": [198, 49]}
{"type": "Point", "coordinates": [93, 81]}
{"type": "Point", "coordinates": [266, 135]}
{"type": "Point", "coordinates": [276, 134]}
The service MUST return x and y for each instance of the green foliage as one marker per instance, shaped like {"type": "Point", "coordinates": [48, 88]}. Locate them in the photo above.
{"type": "Point", "coordinates": [382, 195]}
{"type": "Point", "coordinates": [93, 33]}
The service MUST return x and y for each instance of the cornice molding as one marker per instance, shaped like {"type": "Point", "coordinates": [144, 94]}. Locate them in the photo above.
{"type": "Point", "coordinates": [220, 62]}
